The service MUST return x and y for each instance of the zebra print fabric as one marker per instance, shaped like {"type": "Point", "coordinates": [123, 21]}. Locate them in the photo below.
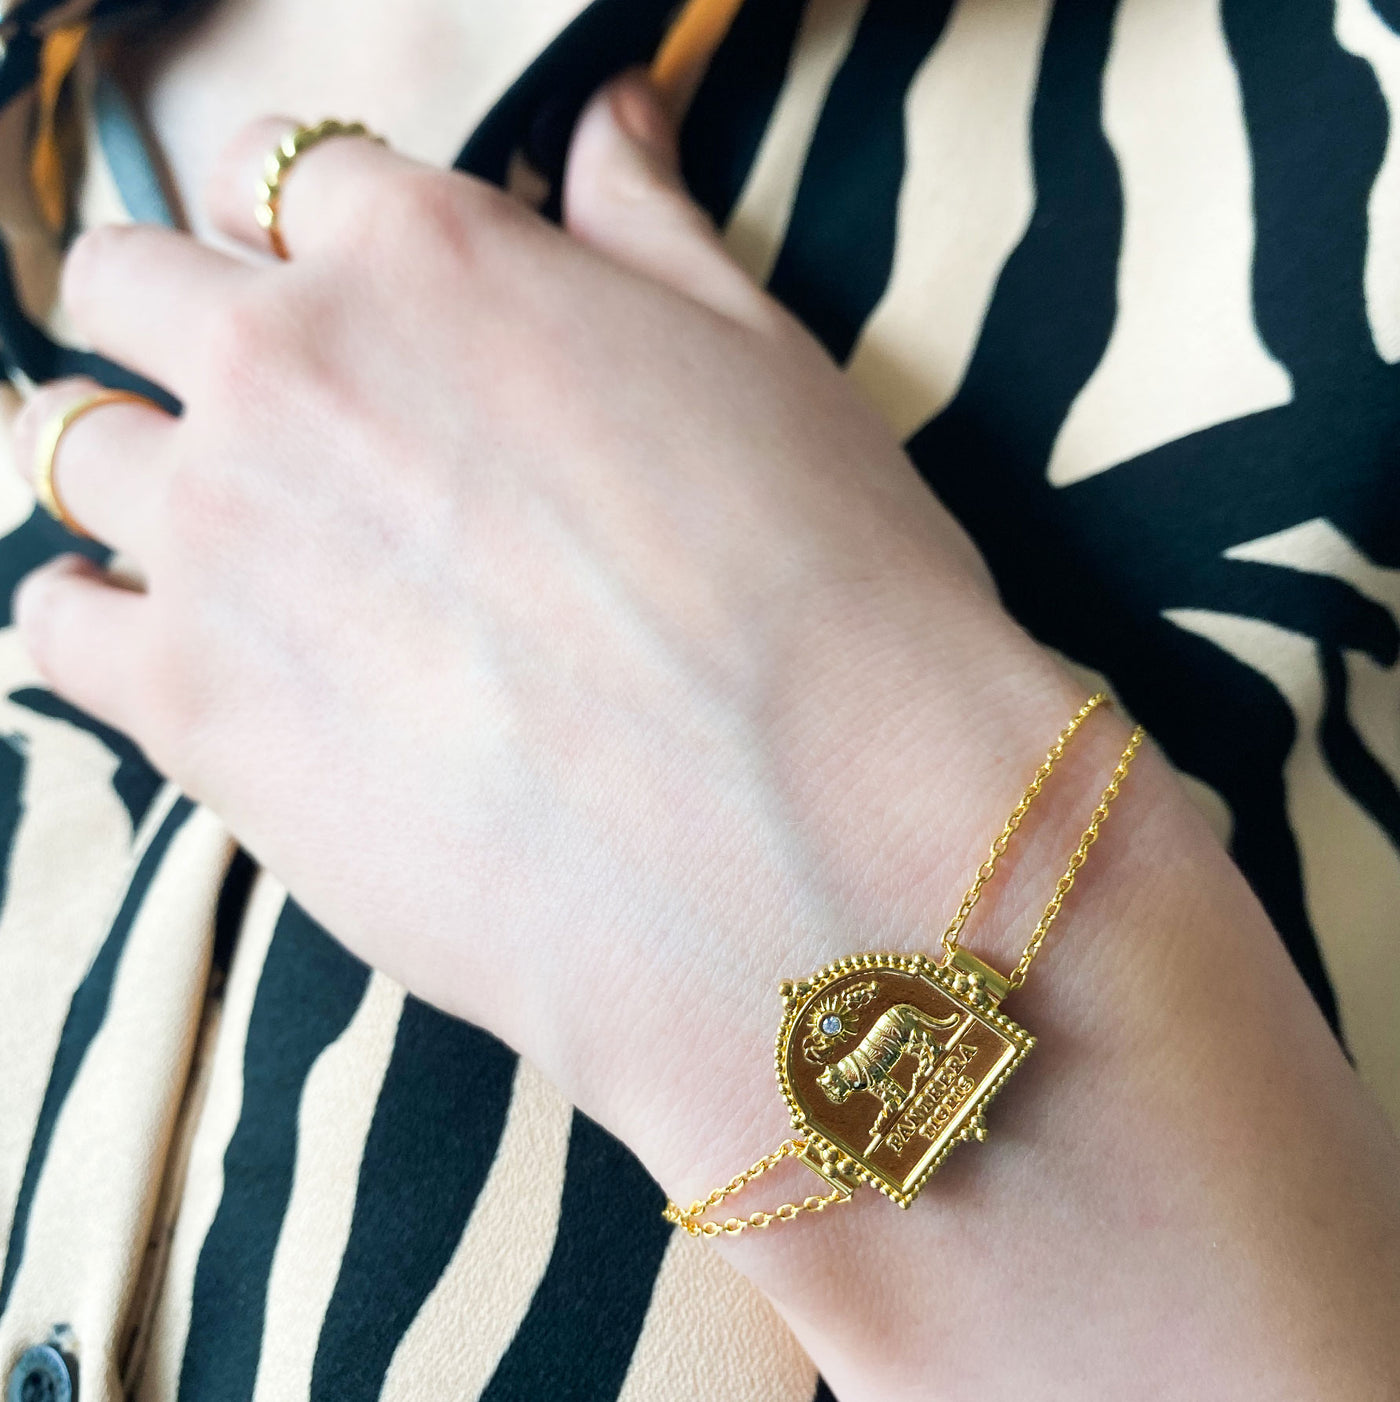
{"type": "Point", "coordinates": [1126, 278]}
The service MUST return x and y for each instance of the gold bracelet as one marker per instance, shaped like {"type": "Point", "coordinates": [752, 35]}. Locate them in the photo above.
{"type": "Point", "coordinates": [889, 1011]}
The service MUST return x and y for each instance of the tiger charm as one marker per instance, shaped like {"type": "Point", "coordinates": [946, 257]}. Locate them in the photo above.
{"type": "Point", "coordinates": [898, 1030]}
{"type": "Point", "coordinates": [927, 1043]}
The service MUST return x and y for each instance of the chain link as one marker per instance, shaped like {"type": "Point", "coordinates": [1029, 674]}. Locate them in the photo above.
{"type": "Point", "coordinates": [1077, 859]}
{"type": "Point", "coordinates": [689, 1218]}
{"type": "Point", "coordinates": [999, 843]}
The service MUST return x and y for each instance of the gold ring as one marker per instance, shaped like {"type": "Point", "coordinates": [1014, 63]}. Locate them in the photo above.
{"type": "Point", "coordinates": [279, 161]}
{"type": "Point", "coordinates": [44, 488]}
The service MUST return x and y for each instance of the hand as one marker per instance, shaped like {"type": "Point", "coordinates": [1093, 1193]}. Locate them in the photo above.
{"type": "Point", "coordinates": [546, 611]}
{"type": "Point", "coordinates": [517, 596]}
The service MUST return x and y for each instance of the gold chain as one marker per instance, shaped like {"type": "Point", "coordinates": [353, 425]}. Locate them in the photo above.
{"type": "Point", "coordinates": [690, 1218]}
{"type": "Point", "coordinates": [999, 844]}
{"type": "Point", "coordinates": [1077, 859]}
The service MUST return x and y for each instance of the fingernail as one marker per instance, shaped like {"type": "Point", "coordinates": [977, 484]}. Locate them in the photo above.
{"type": "Point", "coordinates": [637, 112]}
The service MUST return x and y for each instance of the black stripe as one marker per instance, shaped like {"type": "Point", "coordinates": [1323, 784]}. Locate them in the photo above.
{"type": "Point", "coordinates": [309, 990]}
{"type": "Point", "coordinates": [1317, 134]}
{"type": "Point", "coordinates": [435, 1133]}
{"type": "Point", "coordinates": [1050, 318]}
{"type": "Point", "coordinates": [34, 541]}
{"type": "Point", "coordinates": [1389, 11]}
{"type": "Point", "coordinates": [86, 1013]}
{"type": "Point", "coordinates": [18, 66]}
{"type": "Point", "coordinates": [1314, 604]}
{"type": "Point", "coordinates": [577, 1337]}
{"type": "Point", "coordinates": [1244, 732]}
{"type": "Point", "coordinates": [836, 258]}
{"type": "Point", "coordinates": [823, 1392]}
{"type": "Point", "coordinates": [28, 13]}
{"type": "Point", "coordinates": [1362, 775]}
{"type": "Point", "coordinates": [13, 765]}
{"type": "Point", "coordinates": [734, 103]}
{"type": "Point", "coordinates": [25, 346]}
{"type": "Point", "coordinates": [134, 781]}
{"type": "Point", "coordinates": [607, 37]}
{"type": "Point", "coordinates": [232, 908]}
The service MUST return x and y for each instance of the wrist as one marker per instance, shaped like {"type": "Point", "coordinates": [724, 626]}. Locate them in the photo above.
{"type": "Point", "coordinates": [892, 814]}
{"type": "Point", "coordinates": [995, 941]}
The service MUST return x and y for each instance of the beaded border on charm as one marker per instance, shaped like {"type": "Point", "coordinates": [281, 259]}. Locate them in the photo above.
{"type": "Point", "coordinates": [796, 994]}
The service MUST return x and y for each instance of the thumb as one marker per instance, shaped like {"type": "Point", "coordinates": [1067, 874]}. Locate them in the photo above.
{"type": "Point", "coordinates": [624, 196]}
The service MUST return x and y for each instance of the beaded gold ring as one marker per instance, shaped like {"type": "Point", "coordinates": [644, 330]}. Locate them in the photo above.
{"type": "Point", "coordinates": [280, 160]}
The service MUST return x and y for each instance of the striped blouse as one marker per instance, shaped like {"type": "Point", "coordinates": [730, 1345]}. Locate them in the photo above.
{"type": "Point", "coordinates": [1126, 279]}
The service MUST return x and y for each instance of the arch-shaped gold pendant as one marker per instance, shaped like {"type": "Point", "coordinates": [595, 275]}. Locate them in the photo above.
{"type": "Point", "coordinates": [887, 1061]}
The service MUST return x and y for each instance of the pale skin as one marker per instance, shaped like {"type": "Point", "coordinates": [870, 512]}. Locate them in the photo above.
{"type": "Point", "coordinates": [548, 613]}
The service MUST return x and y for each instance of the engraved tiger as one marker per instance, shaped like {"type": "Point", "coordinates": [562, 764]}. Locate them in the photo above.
{"type": "Point", "coordinates": [900, 1029]}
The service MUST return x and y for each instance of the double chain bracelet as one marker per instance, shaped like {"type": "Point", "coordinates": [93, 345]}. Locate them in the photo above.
{"type": "Point", "coordinates": [886, 1061]}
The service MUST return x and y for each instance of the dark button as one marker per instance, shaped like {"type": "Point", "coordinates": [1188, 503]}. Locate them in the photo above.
{"type": "Point", "coordinates": [41, 1375]}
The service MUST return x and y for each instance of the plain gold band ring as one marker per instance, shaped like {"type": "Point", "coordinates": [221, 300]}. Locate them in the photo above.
{"type": "Point", "coordinates": [44, 487]}
{"type": "Point", "coordinates": [279, 162]}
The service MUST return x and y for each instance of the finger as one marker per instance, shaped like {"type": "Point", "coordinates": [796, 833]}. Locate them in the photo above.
{"type": "Point", "coordinates": [326, 193]}
{"type": "Point", "coordinates": [140, 294]}
{"type": "Point", "coordinates": [108, 468]}
{"type": "Point", "coordinates": [623, 195]}
{"type": "Point", "coordinates": [81, 630]}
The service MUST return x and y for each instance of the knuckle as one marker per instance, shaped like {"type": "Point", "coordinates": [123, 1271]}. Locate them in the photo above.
{"type": "Point", "coordinates": [246, 345]}
{"type": "Point", "coordinates": [265, 366]}
{"type": "Point", "coordinates": [431, 198]}
{"type": "Point", "coordinates": [434, 206]}
{"type": "Point", "coordinates": [200, 509]}
{"type": "Point", "coordinates": [237, 337]}
{"type": "Point", "coordinates": [384, 214]}
{"type": "Point", "coordinates": [442, 213]}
